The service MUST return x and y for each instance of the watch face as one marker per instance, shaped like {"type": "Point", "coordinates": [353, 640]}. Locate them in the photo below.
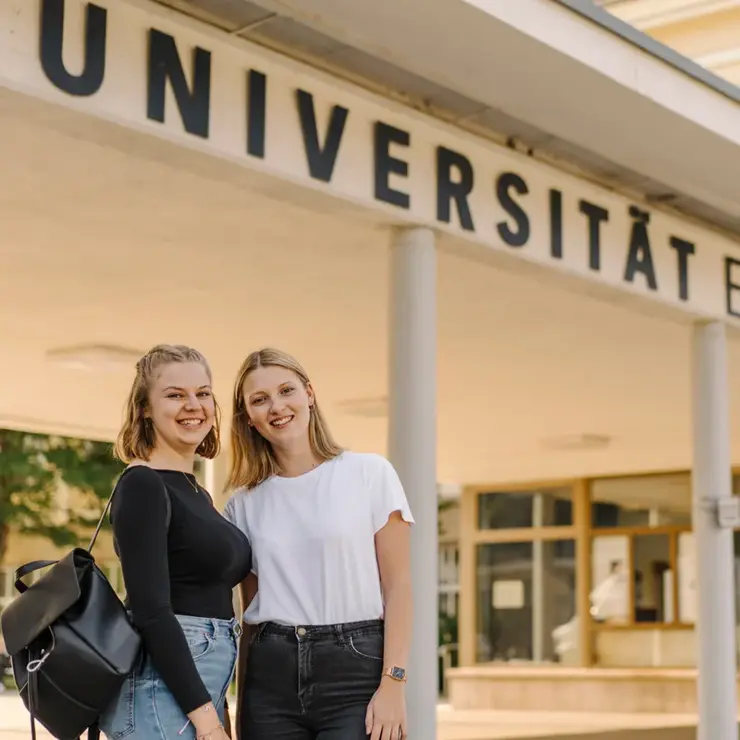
{"type": "Point", "coordinates": [398, 673]}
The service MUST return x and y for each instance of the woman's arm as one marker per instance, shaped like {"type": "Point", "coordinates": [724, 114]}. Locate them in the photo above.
{"type": "Point", "coordinates": [387, 710]}
{"type": "Point", "coordinates": [247, 592]}
{"type": "Point", "coordinates": [392, 545]}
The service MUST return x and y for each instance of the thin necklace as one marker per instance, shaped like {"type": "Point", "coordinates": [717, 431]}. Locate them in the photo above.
{"type": "Point", "coordinates": [195, 485]}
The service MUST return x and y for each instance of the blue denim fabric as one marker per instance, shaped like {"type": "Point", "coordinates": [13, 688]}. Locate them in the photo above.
{"type": "Point", "coordinates": [146, 710]}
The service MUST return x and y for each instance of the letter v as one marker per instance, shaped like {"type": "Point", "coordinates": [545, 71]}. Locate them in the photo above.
{"type": "Point", "coordinates": [321, 160]}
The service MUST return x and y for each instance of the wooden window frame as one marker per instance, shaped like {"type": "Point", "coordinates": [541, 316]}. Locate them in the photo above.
{"type": "Point", "coordinates": [471, 536]}
{"type": "Point", "coordinates": [673, 532]}
{"type": "Point", "coordinates": [583, 533]}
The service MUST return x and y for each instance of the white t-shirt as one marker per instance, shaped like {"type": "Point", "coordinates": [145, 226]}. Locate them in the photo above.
{"type": "Point", "coordinates": [313, 540]}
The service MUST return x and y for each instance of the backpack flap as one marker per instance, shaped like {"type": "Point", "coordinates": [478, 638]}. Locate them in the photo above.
{"type": "Point", "coordinates": [41, 604]}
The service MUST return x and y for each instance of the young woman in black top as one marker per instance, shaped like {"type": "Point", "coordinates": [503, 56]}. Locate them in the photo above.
{"type": "Point", "coordinates": [180, 558]}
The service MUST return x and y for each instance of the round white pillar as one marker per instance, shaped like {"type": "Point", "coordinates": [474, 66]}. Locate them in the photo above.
{"type": "Point", "coordinates": [413, 450]}
{"type": "Point", "coordinates": [712, 483]}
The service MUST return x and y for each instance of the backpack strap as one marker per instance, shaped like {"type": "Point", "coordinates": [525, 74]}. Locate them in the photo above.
{"type": "Point", "coordinates": [168, 503]}
{"type": "Point", "coordinates": [33, 683]}
{"type": "Point", "coordinates": [105, 511]}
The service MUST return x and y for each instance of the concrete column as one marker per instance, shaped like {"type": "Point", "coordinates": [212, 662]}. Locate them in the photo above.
{"type": "Point", "coordinates": [712, 483]}
{"type": "Point", "coordinates": [412, 450]}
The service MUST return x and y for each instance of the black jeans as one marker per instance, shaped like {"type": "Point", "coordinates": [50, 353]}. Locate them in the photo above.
{"type": "Point", "coordinates": [311, 683]}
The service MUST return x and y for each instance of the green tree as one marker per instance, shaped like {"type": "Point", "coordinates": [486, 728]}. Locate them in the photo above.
{"type": "Point", "coordinates": [32, 466]}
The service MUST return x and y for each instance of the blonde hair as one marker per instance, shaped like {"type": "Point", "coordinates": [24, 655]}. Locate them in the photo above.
{"type": "Point", "coordinates": [136, 439]}
{"type": "Point", "coordinates": [252, 457]}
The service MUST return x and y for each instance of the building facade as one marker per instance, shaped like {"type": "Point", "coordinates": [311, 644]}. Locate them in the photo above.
{"type": "Point", "coordinates": [596, 571]}
{"type": "Point", "coordinates": [508, 255]}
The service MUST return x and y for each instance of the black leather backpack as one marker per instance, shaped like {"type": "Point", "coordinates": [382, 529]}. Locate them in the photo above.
{"type": "Point", "coordinates": [70, 641]}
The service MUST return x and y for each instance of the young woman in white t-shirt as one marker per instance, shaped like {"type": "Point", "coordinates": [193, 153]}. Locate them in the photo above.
{"type": "Point", "coordinates": [328, 602]}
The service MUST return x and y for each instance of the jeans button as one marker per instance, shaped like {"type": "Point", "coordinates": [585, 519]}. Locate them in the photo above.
{"type": "Point", "coordinates": [301, 631]}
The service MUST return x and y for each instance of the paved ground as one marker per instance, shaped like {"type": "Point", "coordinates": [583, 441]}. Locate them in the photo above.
{"type": "Point", "coordinates": [479, 725]}
{"type": "Point", "coordinates": [484, 725]}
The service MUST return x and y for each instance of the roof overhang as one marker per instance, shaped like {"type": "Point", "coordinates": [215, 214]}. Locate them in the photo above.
{"type": "Point", "coordinates": [562, 78]}
{"type": "Point", "coordinates": [113, 218]}
{"type": "Point", "coordinates": [649, 14]}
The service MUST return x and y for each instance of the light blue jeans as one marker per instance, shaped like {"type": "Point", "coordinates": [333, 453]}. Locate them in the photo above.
{"type": "Point", "coordinates": [146, 710]}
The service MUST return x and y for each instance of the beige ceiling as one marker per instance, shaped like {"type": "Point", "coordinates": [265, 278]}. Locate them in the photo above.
{"type": "Point", "coordinates": [110, 237]}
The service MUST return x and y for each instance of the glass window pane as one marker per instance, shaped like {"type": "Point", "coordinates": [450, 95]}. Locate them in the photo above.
{"type": "Point", "coordinates": [609, 596]}
{"type": "Point", "coordinates": [653, 578]}
{"type": "Point", "coordinates": [641, 501]}
{"type": "Point", "coordinates": [448, 565]}
{"type": "Point", "coordinates": [512, 510]}
{"type": "Point", "coordinates": [526, 602]}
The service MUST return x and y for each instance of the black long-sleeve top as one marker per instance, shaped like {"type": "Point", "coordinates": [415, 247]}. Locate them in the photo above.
{"type": "Point", "coordinates": [188, 569]}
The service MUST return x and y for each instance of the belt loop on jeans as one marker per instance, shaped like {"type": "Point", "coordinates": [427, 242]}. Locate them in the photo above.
{"type": "Point", "coordinates": [339, 633]}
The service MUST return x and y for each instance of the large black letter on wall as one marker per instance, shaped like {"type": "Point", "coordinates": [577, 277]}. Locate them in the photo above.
{"type": "Point", "coordinates": [506, 182]}
{"type": "Point", "coordinates": [595, 215]}
{"type": "Point", "coordinates": [447, 190]}
{"type": "Point", "coordinates": [683, 250]}
{"type": "Point", "coordinates": [164, 64]}
{"type": "Point", "coordinates": [321, 160]}
{"type": "Point", "coordinates": [386, 164]}
{"type": "Point", "coordinates": [51, 46]}
{"type": "Point", "coordinates": [640, 255]}
{"type": "Point", "coordinates": [731, 287]}
{"type": "Point", "coordinates": [256, 113]}
{"type": "Point", "coordinates": [556, 224]}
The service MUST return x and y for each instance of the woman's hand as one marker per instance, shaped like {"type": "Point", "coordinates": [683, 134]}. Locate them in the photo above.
{"type": "Point", "coordinates": [218, 734]}
{"type": "Point", "coordinates": [207, 724]}
{"type": "Point", "coordinates": [386, 714]}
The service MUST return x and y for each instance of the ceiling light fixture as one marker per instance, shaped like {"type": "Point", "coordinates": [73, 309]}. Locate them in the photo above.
{"type": "Point", "coordinates": [575, 442]}
{"type": "Point", "coordinates": [94, 357]}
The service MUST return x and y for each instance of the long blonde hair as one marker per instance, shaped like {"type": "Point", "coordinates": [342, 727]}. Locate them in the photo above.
{"type": "Point", "coordinates": [252, 456]}
{"type": "Point", "coordinates": [136, 438]}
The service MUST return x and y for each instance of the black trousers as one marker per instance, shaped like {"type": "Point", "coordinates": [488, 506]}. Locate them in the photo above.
{"type": "Point", "coordinates": [311, 683]}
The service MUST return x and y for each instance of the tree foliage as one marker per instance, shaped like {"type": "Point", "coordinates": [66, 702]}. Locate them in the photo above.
{"type": "Point", "coordinates": [33, 467]}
